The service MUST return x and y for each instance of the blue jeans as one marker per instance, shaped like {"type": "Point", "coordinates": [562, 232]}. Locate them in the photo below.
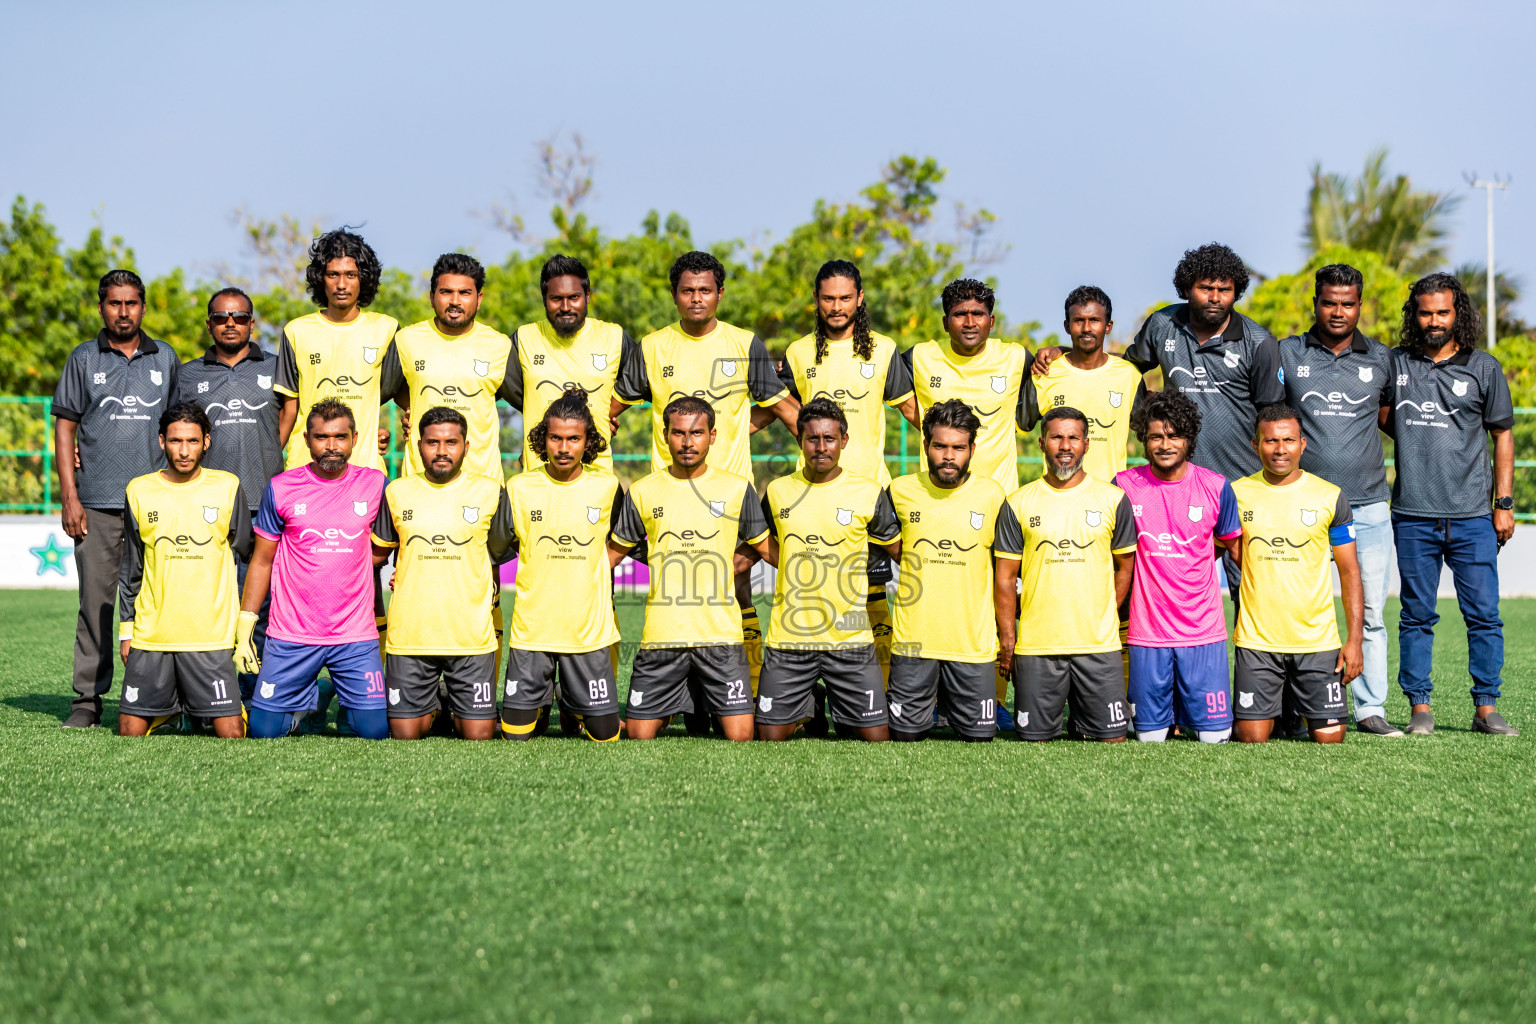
{"type": "Point", "coordinates": [247, 681]}
{"type": "Point", "coordinates": [1373, 548]}
{"type": "Point", "coordinates": [1471, 549]}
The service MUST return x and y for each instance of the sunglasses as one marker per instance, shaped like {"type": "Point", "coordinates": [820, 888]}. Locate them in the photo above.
{"type": "Point", "coordinates": [222, 318]}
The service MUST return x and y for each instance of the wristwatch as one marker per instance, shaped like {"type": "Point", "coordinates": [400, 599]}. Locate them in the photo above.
{"type": "Point", "coordinates": [1504, 504]}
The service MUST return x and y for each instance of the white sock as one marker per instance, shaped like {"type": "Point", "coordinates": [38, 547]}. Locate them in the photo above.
{"type": "Point", "coordinates": [1215, 735]}
{"type": "Point", "coordinates": [1151, 735]}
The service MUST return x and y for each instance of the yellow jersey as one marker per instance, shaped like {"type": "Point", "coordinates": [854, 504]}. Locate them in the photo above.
{"type": "Point", "coordinates": [466, 373]}
{"type": "Point", "coordinates": [1065, 541]}
{"type": "Point", "coordinates": [992, 384]}
{"type": "Point", "coordinates": [824, 532]}
{"type": "Point", "coordinates": [862, 387]}
{"type": "Point", "coordinates": [943, 607]}
{"type": "Point", "coordinates": [178, 585]}
{"type": "Point", "coordinates": [1285, 603]}
{"type": "Point", "coordinates": [563, 597]}
{"type": "Point", "coordinates": [545, 365]}
{"type": "Point", "coordinates": [1106, 396]}
{"type": "Point", "coordinates": [692, 529]}
{"type": "Point", "coordinates": [321, 359]}
{"type": "Point", "coordinates": [450, 537]}
{"type": "Point", "coordinates": [729, 368]}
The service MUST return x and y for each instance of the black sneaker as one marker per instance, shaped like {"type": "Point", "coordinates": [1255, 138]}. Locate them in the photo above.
{"type": "Point", "coordinates": [1493, 724]}
{"type": "Point", "coordinates": [1422, 723]}
{"type": "Point", "coordinates": [82, 718]}
{"type": "Point", "coordinates": [1377, 726]}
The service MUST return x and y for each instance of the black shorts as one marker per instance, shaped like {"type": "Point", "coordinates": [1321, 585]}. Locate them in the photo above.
{"type": "Point", "coordinates": [589, 681]}
{"type": "Point", "coordinates": [968, 692]}
{"type": "Point", "coordinates": [852, 676]}
{"type": "Point", "coordinates": [412, 680]}
{"type": "Point", "coordinates": [670, 680]}
{"type": "Point", "coordinates": [1260, 678]}
{"type": "Point", "coordinates": [201, 683]}
{"type": "Point", "coordinates": [1093, 685]}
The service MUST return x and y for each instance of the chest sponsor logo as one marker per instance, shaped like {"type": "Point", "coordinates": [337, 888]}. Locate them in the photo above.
{"type": "Point", "coordinates": [1428, 408]}
{"type": "Point", "coordinates": [999, 384]}
{"type": "Point", "coordinates": [1115, 398]}
{"type": "Point", "coordinates": [1459, 388]}
{"type": "Point", "coordinates": [593, 514]}
{"type": "Point", "coordinates": [599, 360]}
{"type": "Point", "coordinates": [728, 367]}
{"type": "Point", "coordinates": [1196, 513]}
{"type": "Point", "coordinates": [236, 405]}
{"type": "Point", "coordinates": [129, 401]}
{"type": "Point", "coordinates": [342, 381]}
{"type": "Point", "coordinates": [867, 371]}
{"type": "Point", "coordinates": [717, 509]}
{"type": "Point", "coordinates": [369, 355]}
{"type": "Point", "coordinates": [1365, 374]}
{"type": "Point", "coordinates": [1309, 517]}
{"type": "Point", "coordinates": [1093, 517]}
{"type": "Point", "coordinates": [156, 378]}
{"type": "Point", "coordinates": [450, 391]}
{"type": "Point", "coordinates": [331, 534]}
{"type": "Point", "coordinates": [439, 540]}
{"type": "Point", "coordinates": [471, 514]}
{"type": "Point", "coordinates": [482, 368]}
{"type": "Point", "coordinates": [360, 507]}
{"type": "Point", "coordinates": [210, 514]}
{"type": "Point", "coordinates": [1334, 397]}
{"type": "Point", "coordinates": [977, 520]}
{"type": "Point", "coordinates": [844, 516]}
{"type": "Point", "coordinates": [264, 381]}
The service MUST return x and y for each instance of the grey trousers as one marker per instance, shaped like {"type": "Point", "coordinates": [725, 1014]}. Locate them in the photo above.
{"type": "Point", "coordinates": [98, 557]}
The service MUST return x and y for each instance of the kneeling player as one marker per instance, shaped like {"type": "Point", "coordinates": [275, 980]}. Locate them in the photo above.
{"type": "Point", "coordinates": [312, 551]}
{"type": "Point", "coordinates": [945, 646]}
{"type": "Point", "coordinates": [176, 593]}
{"type": "Point", "coordinates": [562, 613]}
{"type": "Point", "coordinates": [450, 527]}
{"type": "Point", "coordinates": [1287, 635]}
{"type": "Point", "coordinates": [821, 520]}
{"type": "Point", "coordinates": [692, 516]}
{"type": "Point", "coordinates": [1075, 539]}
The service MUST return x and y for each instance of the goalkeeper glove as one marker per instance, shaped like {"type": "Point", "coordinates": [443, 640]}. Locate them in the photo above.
{"type": "Point", "coordinates": [246, 661]}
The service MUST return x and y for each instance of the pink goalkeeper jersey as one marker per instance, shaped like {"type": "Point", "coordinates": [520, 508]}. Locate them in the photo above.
{"type": "Point", "coordinates": [1175, 597]}
{"type": "Point", "coordinates": [322, 576]}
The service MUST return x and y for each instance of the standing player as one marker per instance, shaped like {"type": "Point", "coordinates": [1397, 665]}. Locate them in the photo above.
{"type": "Point", "coordinates": [453, 361]}
{"type": "Point", "coordinates": [945, 648]}
{"type": "Point", "coordinates": [563, 624]}
{"type": "Point", "coordinates": [692, 516]}
{"type": "Point", "coordinates": [104, 415]}
{"type": "Point", "coordinates": [822, 520]}
{"type": "Point", "coordinates": [1177, 634]}
{"type": "Point", "coordinates": [232, 382]}
{"type": "Point", "coordinates": [312, 552]}
{"type": "Point", "coordinates": [1073, 538]}
{"type": "Point", "coordinates": [177, 600]}
{"type": "Point", "coordinates": [1339, 382]}
{"type": "Point", "coordinates": [1105, 388]}
{"type": "Point", "coordinates": [1448, 399]}
{"type": "Point", "coordinates": [1287, 635]}
{"type": "Point", "coordinates": [451, 526]}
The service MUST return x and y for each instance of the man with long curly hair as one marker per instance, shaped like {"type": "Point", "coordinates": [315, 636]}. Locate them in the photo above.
{"type": "Point", "coordinates": [1449, 505]}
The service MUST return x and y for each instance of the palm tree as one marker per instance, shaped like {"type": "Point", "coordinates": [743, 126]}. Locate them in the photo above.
{"type": "Point", "coordinates": [1380, 214]}
{"type": "Point", "coordinates": [1506, 292]}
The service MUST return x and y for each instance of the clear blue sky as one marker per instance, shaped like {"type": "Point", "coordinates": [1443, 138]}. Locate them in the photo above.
{"type": "Point", "coordinates": [1107, 138]}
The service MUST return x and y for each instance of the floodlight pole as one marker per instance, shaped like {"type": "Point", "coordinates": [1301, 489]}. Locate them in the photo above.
{"type": "Point", "coordinates": [1489, 186]}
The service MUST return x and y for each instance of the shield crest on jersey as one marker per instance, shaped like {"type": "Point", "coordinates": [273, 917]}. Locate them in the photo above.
{"type": "Point", "coordinates": [1093, 517]}
{"type": "Point", "coordinates": [264, 381]}
{"type": "Point", "coordinates": [156, 377]}
{"type": "Point", "coordinates": [369, 355]}
{"type": "Point", "coordinates": [844, 516]}
{"type": "Point", "coordinates": [999, 384]}
{"type": "Point", "coordinates": [210, 514]}
{"type": "Point", "coordinates": [765, 703]}
{"type": "Point", "coordinates": [1458, 387]}
{"type": "Point", "coordinates": [1196, 513]}
{"type": "Point", "coordinates": [482, 368]}
{"type": "Point", "coordinates": [361, 508]}
{"type": "Point", "coordinates": [1309, 517]}
{"type": "Point", "coordinates": [131, 693]}
{"type": "Point", "coordinates": [728, 367]}
{"type": "Point", "coordinates": [1115, 398]}
{"type": "Point", "coordinates": [977, 519]}
{"type": "Point", "coordinates": [471, 514]}
{"type": "Point", "coordinates": [600, 360]}
{"type": "Point", "coordinates": [867, 371]}
{"type": "Point", "coordinates": [717, 509]}
{"type": "Point", "coordinates": [593, 514]}
{"type": "Point", "coordinates": [1365, 374]}
{"type": "Point", "coordinates": [1231, 359]}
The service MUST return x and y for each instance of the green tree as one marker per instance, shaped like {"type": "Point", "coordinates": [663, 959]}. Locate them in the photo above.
{"type": "Point", "coordinates": [1379, 213]}
{"type": "Point", "coordinates": [1284, 303]}
{"type": "Point", "coordinates": [1506, 292]}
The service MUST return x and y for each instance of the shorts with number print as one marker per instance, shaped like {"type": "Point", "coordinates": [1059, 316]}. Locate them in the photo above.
{"type": "Point", "coordinates": [413, 683]}
{"type": "Point", "coordinates": [965, 691]}
{"type": "Point", "coordinates": [1092, 685]}
{"type": "Point", "coordinates": [670, 680]}
{"type": "Point", "coordinates": [852, 676]}
{"type": "Point", "coordinates": [588, 681]}
{"type": "Point", "coordinates": [201, 683]}
{"type": "Point", "coordinates": [1262, 677]}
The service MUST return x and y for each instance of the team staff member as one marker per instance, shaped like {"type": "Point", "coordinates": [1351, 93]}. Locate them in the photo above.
{"type": "Point", "coordinates": [1073, 537]}
{"type": "Point", "coordinates": [1447, 397]}
{"type": "Point", "coordinates": [821, 520]}
{"type": "Point", "coordinates": [232, 382]}
{"type": "Point", "coordinates": [185, 526]}
{"type": "Point", "coordinates": [106, 407]}
{"type": "Point", "coordinates": [1339, 382]}
{"type": "Point", "coordinates": [692, 516]}
{"type": "Point", "coordinates": [563, 623]}
{"type": "Point", "coordinates": [1287, 635]}
{"type": "Point", "coordinates": [945, 647]}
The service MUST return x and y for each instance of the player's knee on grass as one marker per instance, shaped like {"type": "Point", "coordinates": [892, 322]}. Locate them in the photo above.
{"type": "Point", "coordinates": [271, 725]}
{"type": "Point", "coordinates": [897, 736]}
{"type": "Point", "coordinates": [602, 728]}
{"type": "Point", "coordinates": [132, 725]}
{"type": "Point", "coordinates": [1252, 730]}
{"type": "Point", "coordinates": [736, 728]}
{"type": "Point", "coordinates": [776, 733]}
{"type": "Point", "coordinates": [369, 724]}
{"type": "Point", "coordinates": [475, 728]}
{"type": "Point", "coordinates": [1326, 730]}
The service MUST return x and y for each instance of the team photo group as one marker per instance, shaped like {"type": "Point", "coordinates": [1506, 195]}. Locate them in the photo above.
{"type": "Point", "coordinates": [235, 522]}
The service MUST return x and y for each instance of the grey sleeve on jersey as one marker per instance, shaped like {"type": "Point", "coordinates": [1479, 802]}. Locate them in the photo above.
{"type": "Point", "coordinates": [287, 366]}
{"type": "Point", "coordinates": [384, 524]}
{"type": "Point", "coordinates": [773, 526]}
{"type": "Point", "coordinates": [762, 376]}
{"type": "Point", "coordinates": [1343, 515]}
{"type": "Point", "coordinates": [632, 385]}
{"type": "Point", "coordinates": [391, 376]}
{"type": "Point", "coordinates": [884, 528]}
{"type": "Point", "coordinates": [130, 574]}
{"type": "Point", "coordinates": [1143, 350]}
{"type": "Point", "coordinates": [511, 390]}
{"type": "Point", "coordinates": [242, 541]}
{"type": "Point", "coordinates": [501, 541]}
{"type": "Point", "coordinates": [1029, 399]}
{"type": "Point", "coordinates": [898, 378]}
{"type": "Point", "coordinates": [753, 524]}
{"type": "Point", "coordinates": [1265, 380]}
{"type": "Point", "coordinates": [72, 397]}
{"type": "Point", "coordinates": [1498, 409]}
{"type": "Point", "coordinates": [173, 377]}
{"type": "Point", "coordinates": [1007, 534]}
{"type": "Point", "coordinates": [1125, 526]}
{"type": "Point", "coordinates": [627, 528]}
{"type": "Point", "coordinates": [787, 379]}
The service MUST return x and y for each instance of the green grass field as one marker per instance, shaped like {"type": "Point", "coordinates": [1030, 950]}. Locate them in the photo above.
{"type": "Point", "coordinates": [185, 877]}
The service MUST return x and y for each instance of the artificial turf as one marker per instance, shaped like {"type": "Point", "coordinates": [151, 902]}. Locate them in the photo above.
{"type": "Point", "coordinates": [320, 878]}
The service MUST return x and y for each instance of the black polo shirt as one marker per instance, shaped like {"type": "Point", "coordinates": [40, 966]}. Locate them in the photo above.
{"type": "Point", "coordinates": [1339, 398]}
{"type": "Point", "coordinates": [240, 404]}
{"type": "Point", "coordinates": [1229, 379]}
{"type": "Point", "coordinates": [1441, 413]}
{"type": "Point", "coordinates": [117, 401]}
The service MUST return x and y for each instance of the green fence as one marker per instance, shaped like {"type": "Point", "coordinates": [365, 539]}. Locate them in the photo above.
{"type": "Point", "coordinates": [27, 458]}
